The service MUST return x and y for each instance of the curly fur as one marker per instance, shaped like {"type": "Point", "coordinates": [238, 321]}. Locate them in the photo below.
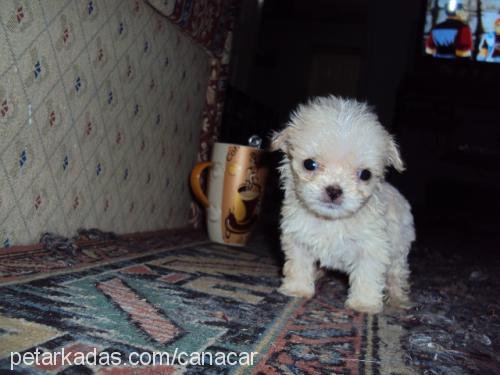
{"type": "Point", "coordinates": [366, 232]}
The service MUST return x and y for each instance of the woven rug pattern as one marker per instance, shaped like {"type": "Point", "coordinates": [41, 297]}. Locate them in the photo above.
{"type": "Point", "coordinates": [192, 298]}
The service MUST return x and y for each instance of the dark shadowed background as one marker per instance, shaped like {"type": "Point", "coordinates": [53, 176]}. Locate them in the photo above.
{"type": "Point", "coordinates": [445, 114]}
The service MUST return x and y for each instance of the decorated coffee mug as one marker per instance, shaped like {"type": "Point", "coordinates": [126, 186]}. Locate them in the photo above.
{"type": "Point", "coordinates": [234, 193]}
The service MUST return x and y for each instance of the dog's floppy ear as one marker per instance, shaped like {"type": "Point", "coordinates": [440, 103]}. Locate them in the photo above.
{"type": "Point", "coordinates": [393, 155]}
{"type": "Point", "coordinates": [279, 140]}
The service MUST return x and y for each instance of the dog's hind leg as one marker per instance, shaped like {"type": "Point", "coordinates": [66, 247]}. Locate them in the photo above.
{"type": "Point", "coordinates": [397, 285]}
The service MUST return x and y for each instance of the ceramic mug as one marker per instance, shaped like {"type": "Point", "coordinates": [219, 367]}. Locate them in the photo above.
{"type": "Point", "coordinates": [234, 194]}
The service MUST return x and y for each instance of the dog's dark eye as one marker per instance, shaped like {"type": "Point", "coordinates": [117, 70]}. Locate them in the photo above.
{"type": "Point", "coordinates": [310, 164]}
{"type": "Point", "coordinates": [365, 175]}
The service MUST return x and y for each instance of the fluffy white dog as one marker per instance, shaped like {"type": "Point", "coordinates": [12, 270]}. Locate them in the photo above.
{"type": "Point", "coordinates": [338, 211]}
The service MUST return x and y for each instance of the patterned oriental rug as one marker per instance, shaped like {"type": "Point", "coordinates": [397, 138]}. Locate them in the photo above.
{"type": "Point", "coordinates": [129, 306]}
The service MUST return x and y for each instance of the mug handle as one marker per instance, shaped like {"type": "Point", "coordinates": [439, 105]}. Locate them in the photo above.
{"type": "Point", "coordinates": [195, 182]}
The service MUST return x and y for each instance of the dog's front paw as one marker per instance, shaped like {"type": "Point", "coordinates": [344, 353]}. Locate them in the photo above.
{"type": "Point", "coordinates": [363, 306]}
{"type": "Point", "coordinates": [296, 290]}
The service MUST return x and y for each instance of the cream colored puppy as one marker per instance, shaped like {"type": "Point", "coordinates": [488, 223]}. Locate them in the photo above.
{"type": "Point", "coordinates": [338, 210]}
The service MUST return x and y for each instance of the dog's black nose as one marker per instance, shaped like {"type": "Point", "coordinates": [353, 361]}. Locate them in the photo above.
{"type": "Point", "coordinates": [334, 192]}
